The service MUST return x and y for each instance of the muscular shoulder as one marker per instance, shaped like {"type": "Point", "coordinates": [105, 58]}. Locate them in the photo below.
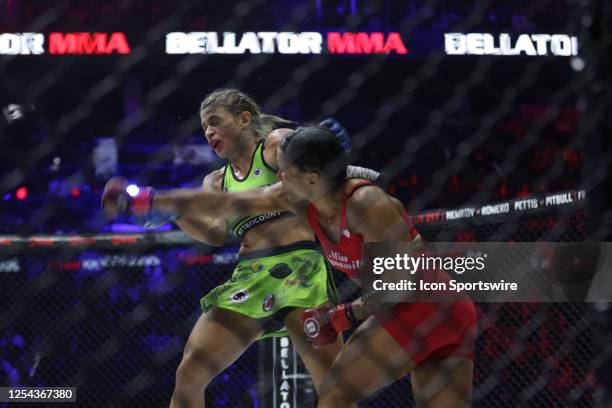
{"type": "Point", "coordinates": [273, 140]}
{"type": "Point", "coordinates": [376, 215]}
{"type": "Point", "coordinates": [276, 136]}
{"type": "Point", "coordinates": [370, 208]}
{"type": "Point", "coordinates": [213, 180]}
{"type": "Point", "coordinates": [364, 199]}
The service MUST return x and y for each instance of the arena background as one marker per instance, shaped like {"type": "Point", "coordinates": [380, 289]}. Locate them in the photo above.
{"type": "Point", "coordinates": [107, 307]}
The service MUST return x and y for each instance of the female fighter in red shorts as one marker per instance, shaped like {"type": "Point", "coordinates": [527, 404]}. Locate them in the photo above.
{"type": "Point", "coordinates": [431, 341]}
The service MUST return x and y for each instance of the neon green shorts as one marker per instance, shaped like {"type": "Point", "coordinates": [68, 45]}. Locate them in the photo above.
{"type": "Point", "coordinates": [267, 284]}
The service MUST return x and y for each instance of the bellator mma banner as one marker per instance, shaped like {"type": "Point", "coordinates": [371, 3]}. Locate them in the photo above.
{"type": "Point", "coordinates": [422, 43]}
{"type": "Point", "coordinates": [63, 43]}
{"type": "Point", "coordinates": [285, 43]}
{"type": "Point", "coordinates": [562, 45]}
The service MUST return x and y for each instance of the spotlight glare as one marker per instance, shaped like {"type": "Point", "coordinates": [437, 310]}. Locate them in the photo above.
{"type": "Point", "coordinates": [132, 190]}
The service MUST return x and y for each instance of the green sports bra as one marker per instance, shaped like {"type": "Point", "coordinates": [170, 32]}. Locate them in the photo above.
{"type": "Point", "coordinates": [260, 175]}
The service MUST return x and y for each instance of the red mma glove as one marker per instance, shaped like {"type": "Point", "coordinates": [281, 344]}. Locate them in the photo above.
{"type": "Point", "coordinates": [117, 201]}
{"type": "Point", "coordinates": [323, 323]}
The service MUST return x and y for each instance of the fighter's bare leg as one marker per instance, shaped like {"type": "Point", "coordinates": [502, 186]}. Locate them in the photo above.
{"type": "Point", "coordinates": [443, 383]}
{"type": "Point", "coordinates": [218, 338]}
{"type": "Point", "coordinates": [317, 361]}
{"type": "Point", "coordinates": [370, 360]}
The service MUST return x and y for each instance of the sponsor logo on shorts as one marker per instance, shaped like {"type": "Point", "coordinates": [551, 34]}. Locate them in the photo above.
{"type": "Point", "coordinates": [257, 266]}
{"type": "Point", "coordinates": [301, 280]}
{"type": "Point", "coordinates": [241, 277]}
{"type": "Point", "coordinates": [257, 172]}
{"type": "Point", "coordinates": [311, 327]}
{"type": "Point", "coordinates": [268, 303]}
{"type": "Point", "coordinates": [240, 296]}
{"type": "Point", "coordinates": [309, 263]}
{"type": "Point", "coordinates": [218, 291]}
{"type": "Point", "coordinates": [280, 271]}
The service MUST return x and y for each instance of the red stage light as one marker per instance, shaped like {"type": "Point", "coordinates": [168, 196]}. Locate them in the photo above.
{"type": "Point", "coordinates": [21, 193]}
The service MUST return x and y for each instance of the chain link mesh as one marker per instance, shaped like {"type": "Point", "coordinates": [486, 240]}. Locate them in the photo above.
{"type": "Point", "coordinates": [446, 130]}
{"type": "Point", "coordinates": [113, 323]}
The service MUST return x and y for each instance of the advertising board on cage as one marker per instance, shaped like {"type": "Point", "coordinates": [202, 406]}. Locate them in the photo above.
{"type": "Point", "coordinates": [520, 205]}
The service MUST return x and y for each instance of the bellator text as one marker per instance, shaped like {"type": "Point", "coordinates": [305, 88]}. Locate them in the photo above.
{"type": "Point", "coordinates": [526, 44]}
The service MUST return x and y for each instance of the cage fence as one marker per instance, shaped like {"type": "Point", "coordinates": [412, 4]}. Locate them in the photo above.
{"type": "Point", "coordinates": [110, 314]}
{"type": "Point", "coordinates": [477, 114]}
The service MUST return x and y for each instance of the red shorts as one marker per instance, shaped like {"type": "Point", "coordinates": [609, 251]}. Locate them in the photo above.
{"type": "Point", "coordinates": [433, 330]}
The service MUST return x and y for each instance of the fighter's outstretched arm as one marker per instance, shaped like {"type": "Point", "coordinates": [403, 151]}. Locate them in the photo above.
{"type": "Point", "coordinates": [221, 204]}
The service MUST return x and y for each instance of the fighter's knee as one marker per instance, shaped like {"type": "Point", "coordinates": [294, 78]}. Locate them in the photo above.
{"type": "Point", "coordinates": [335, 398]}
{"type": "Point", "coordinates": [196, 370]}
{"type": "Point", "coordinates": [334, 394]}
